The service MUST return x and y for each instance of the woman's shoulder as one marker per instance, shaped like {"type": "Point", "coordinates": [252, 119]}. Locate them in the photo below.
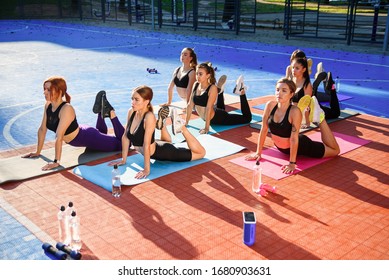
{"type": "Point", "coordinates": [149, 114]}
{"type": "Point", "coordinates": [213, 87]}
{"type": "Point", "coordinates": [67, 107]}
{"type": "Point", "coordinates": [294, 110]}
{"type": "Point", "coordinates": [270, 104]}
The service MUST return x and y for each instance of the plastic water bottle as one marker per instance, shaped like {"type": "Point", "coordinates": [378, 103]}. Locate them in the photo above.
{"type": "Point", "coordinates": [74, 225]}
{"type": "Point", "coordinates": [257, 177]}
{"type": "Point", "coordinates": [116, 184]}
{"type": "Point", "coordinates": [63, 226]}
{"type": "Point", "coordinates": [337, 84]}
{"type": "Point", "coordinates": [70, 209]}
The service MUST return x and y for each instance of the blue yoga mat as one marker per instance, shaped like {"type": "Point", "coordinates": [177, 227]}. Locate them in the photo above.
{"type": "Point", "coordinates": [195, 125]}
{"type": "Point", "coordinates": [101, 174]}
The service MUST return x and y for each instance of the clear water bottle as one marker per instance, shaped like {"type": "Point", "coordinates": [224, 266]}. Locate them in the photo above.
{"type": "Point", "coordinates": [116, 184]}
{"type": "Point", "coordinates": [257, 177]}
{"type": "Point", "coordinates": [70, 209]}
{"type": "Point", "coordinates": [337, 84]}
{"type": "Point", "coordinates": [74, 225]}
{"type": "Point", "coordinates": [63, 226]}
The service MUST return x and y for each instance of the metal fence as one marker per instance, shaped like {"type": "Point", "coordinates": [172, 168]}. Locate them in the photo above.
{"type": "Point", "coordinates": [363, 21]}
{"type": "Point", "coordinates": [230, 15]}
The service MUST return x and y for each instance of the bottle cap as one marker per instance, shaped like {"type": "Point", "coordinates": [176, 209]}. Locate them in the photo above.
{"type": "Point", "coordinates": [115, 166]}
{"type": "Point", "coordinates": [74, 213]}
{"type": "Point", "coordinates": [70, 204]}
{"type": "Point", "coordinates": [62, 208]}
{"type": "Point", "coordinates": [257, 163]}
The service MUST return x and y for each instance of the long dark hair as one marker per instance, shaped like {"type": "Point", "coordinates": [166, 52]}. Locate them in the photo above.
{"type": "Point", "coordinates": [304, 63]}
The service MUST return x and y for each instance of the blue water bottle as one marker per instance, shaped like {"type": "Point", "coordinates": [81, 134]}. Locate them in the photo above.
{"type": "Point", "coordinates": [249, 225]}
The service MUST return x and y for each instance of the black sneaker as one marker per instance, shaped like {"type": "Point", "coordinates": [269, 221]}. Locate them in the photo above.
{"type": "Point", "coordinates": [99, 97]}
{"type": "Point", "coordinates": [106, 108]}
{"type": "Point", "coordinates": [163, 113]}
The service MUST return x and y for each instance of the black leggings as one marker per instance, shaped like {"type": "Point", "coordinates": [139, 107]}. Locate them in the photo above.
{"type": "Point", "coordinates": [333, 111]}
{"type": "Point", "coordinates": [222, 117]}
{"type": "Point", "coordinates": [307, 147]}
{"type": "Point", "coordinates": [167, 151]}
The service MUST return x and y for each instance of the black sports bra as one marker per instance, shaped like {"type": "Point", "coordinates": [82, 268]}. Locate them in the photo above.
{"type": "Point", "coordinates": [200, 100]}
{"type": "Point", "coordinates": [137, 138]}
{"type": "Point", "coordinates": [52, 119]}
{"type": "Point", "coordinates": [298, 95]}
{"type": "Point", "coordinates": [183, 81]}
{"type": "Point", "coordinates": [283, 128]}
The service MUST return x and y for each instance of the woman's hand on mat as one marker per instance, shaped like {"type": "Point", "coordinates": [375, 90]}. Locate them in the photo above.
{"type": "Point", "coordinates": [117, 162]}
{"type": "Point", "coordinates": [289, 168]}
{"type": "Point", "coordinates": [254, 156]}
{"type": "Point", "coordinates": [142, 174]}
{"type": "Point", "coordinates": [31, 155]}
{"type": "Point", "coordinates": [203, 131]}
{"type": "Point", "coordinates": [50, 165]}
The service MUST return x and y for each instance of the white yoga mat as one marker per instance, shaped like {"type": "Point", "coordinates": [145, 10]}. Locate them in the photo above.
{"type": "Point", "coordinates": [17, 168]}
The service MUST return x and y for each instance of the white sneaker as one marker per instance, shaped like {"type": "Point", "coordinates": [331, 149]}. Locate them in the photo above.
{"type": "Point", "coordinates": [221, 83]}
{"type": "Point", "coordinates": [177, 122]}
{"type": "Point", "coordinates": [319, 69]}
{"type": "Point", "coordinates": [310, 63]}
{"type": "Point", "coordinates": [239, 85]}
{"type": "Point", "coordinates": [318, 114]}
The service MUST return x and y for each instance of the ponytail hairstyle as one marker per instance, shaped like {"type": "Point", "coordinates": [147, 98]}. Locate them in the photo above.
{"type": "Point", "coordinates": [58, 87]}
{"type": "Point", "coordinates": [300, 54]}
{"type": "Point", "coordinates": [193, 55]}
{"type": "Point", "coordinates": [297, 54]}
{"type": "Point", "coordinates": [304, 63]}
{"type": "Point", "coordinates": [209, 70]}
{"type": "Point", "coordinates": [146, 93]}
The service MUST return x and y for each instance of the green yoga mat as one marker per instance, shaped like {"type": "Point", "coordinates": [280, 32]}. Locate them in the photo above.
{"type": "Point", "coordinates": [17, 168]}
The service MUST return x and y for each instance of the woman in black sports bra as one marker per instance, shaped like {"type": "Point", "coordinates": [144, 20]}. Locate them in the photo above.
{"type": "Point", "coordinates": [206, 94]}
{"type": "Point", "coordinates": [284, 121]}
{"type": "Point", "coordinates": [140, 130]}
{"type": "Point", "coordinates": [183, 76]}
{"type": "Point", "coordinates": [300, 76]}
{"type": "Point", "coordinates": [59, 116]}
{"type": "Point", "coordinates": [307, 89]}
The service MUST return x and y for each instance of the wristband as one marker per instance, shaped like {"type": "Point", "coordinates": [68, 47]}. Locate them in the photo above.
{"type": "Point", "coordinates": [292, 162]}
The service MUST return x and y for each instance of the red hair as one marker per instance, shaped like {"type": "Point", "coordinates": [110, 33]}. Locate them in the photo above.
{"type": "Point", "coordinates": [59, 86]}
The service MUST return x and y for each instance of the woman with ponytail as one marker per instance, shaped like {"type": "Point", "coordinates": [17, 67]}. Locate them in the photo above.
{"type": "Point", "coordinates": [205, 94]}
{"type": "Point", "coordinates": [183, 76]}
{"type": "Point", "coordinates": [140, 131]}
{"type": "Point", "coordinates": [59, 116]}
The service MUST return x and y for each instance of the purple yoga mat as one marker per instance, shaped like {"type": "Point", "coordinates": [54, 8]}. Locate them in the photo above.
{"type": "Point", "coordinates": [272, 159]}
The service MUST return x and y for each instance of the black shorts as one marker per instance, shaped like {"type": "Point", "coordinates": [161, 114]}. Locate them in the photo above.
{"type": "Point", "coordinates": [307, 147]}
{"type": "Point", "coordinates": [167, 151]}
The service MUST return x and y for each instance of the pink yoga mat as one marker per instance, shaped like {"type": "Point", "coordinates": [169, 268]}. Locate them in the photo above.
{"type": "Point", "coordinates": [272, 159]}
